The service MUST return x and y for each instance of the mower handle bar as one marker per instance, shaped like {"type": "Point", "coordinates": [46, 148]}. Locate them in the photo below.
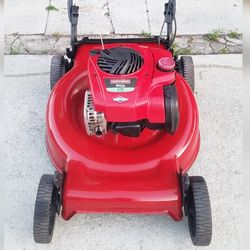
{"type": "Point", "coordinates": [170, 2]}
{"type": "Point", "coordinates": [169, 13]}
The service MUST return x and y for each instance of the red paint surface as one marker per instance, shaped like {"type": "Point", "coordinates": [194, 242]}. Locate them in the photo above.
{"type": "Point", "coordinates": [115, 173]}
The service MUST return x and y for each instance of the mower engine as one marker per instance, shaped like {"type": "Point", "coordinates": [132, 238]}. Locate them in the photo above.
{"type": "Point", "coordinates": [132, 87]}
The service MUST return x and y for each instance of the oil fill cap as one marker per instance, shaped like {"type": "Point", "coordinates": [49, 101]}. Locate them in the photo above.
{"type": "Point", "coordinates": [166, 64]}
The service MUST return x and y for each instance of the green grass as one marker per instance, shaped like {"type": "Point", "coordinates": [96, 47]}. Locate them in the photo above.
{"type": "Point", "coordinates": [146, 34]}
{"type": "Point", "coordinates": [234, 34]}
{"type": "Point", "coordinates": [181, 51]}
{"type": "Point", "coordinates": [56, 35]}
{"type": "Point", "coordinates": [51, 8]}
{"type": "Point", "coordinates": [214, 35]}
{"type": "Point", "coordinates": [224, 51]}
{"type": "Point", "coordinates": [44, 52]}
{"type": "Point", "coordinates": [15, 51]}
{"type": "Point", "coordinates": [174, 46]}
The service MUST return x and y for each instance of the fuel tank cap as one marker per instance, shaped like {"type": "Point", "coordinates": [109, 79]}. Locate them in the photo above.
{"type": "Point", "coordinates": [166, 64]}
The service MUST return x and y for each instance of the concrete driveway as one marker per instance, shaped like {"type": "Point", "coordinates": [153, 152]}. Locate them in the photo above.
{"type": "Point", "coordinates": [121, 17]}
{"type": "Point", "coordinates": [218, 87]}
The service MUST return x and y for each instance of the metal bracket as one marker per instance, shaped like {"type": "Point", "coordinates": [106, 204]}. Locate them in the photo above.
{"type": "Point", "coordinates": [185, 183]}
{"type": "Point", "coordinates": [58, 182]}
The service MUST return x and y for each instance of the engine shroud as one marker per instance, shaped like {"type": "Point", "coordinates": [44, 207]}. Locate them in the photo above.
{"type": "Point", "coordinates": [127, 85]}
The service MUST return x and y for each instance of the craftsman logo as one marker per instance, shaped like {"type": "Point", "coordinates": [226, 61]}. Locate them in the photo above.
{"type": "Point", "coordinates": [120, 99]}
{"type": "Point", "coordinates": [120, 81]}
{"type": "Point", "coordinates": [120, 85]}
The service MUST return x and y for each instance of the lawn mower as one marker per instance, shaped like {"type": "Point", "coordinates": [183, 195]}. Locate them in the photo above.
{"type": "Point", "coordinates": [122, 132]}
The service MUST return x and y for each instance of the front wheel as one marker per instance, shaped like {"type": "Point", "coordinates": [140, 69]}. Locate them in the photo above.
{"type": "Point", "coordinates": [199, 211]}
{"type": "Point", "coordinates": [46, 207]}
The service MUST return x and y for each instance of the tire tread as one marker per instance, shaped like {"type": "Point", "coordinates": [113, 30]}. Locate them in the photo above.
{"type": "Point", "coordinates": [56, 69]}
{"type": "Point", "coordinates": [187, 65]}
{"type": "Point", "coordinates": [43, 208]}
{"type": "Point", "coordinates": [202, 210]}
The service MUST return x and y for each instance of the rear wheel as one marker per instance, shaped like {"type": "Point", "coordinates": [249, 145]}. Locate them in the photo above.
{"type": "Point", "coordinates": [199, 211]}
{"type": "Point", "coordinates": [46, 207]}
{"type": "Point", "coordinates": [186, 69]}
{"type": "Point", "coordinates": [58, 67]}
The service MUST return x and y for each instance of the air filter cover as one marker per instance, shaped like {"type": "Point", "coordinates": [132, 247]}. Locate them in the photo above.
{"type": "Point", "coordinates": [120, 61]}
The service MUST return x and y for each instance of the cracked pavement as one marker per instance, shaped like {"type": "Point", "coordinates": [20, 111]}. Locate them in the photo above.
{"type": "Point", "coordinates": [192, 44]}
{"type": "Point", "coordinates": [36, 30]}
{"type": "Point", "coordinates": [121, 17]}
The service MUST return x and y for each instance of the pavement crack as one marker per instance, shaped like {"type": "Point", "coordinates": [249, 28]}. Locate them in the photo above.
{"type": "Point", "coordinates": [108, 15]}
{"type": "Point", "coordinates": [148, 19]}
{"type": "Point", "coordinates": [54, 44]}
{"type": "Point", "coordinates": [22, 44]}
{"type": "Point", "coordinates": [13, 42]}
{"type": "Point", "coordinates": [207, 66]}
{"type": "Point", "coordinates": [28, 74]}
{"type": "Point", "coordinates": [210, 45]}
{"type": "Point", "coordinates": [47, 19]}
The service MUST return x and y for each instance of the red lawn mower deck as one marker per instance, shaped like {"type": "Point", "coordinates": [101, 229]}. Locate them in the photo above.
{"type": "Point", "coordinates": [122, 132]}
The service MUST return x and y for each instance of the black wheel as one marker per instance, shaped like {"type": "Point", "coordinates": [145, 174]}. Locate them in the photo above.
{"type": "Point", "coordinates": [199, 211]}
{"type": "Point", "coordinates": [186, 69]}
{"type": "Point", "coordinates": [46, 208]}
{"type": "Point", "coordinates": [58, 68]}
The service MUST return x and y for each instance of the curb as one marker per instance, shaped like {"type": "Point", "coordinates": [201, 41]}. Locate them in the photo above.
{"type": "Point", "coordinates": [204, 44]}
